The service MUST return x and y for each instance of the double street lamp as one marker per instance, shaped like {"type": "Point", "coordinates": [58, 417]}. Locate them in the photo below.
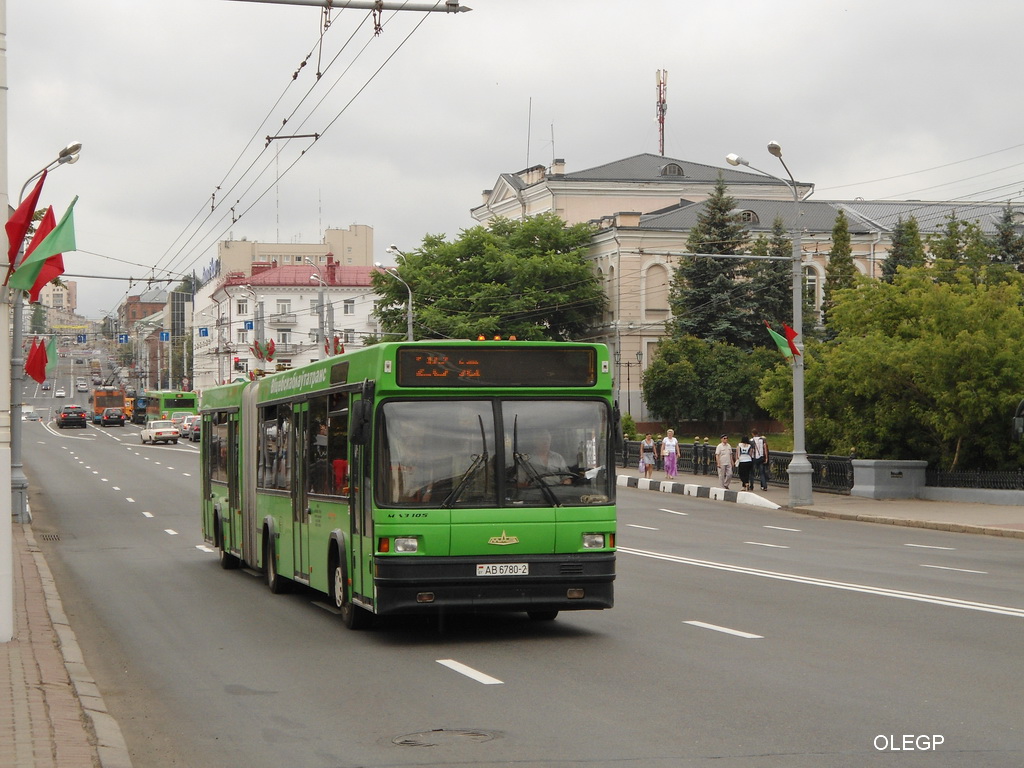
{"type": "Point", "coordinates": [19, 482]}
{"type": "Point", "coordinates": [393, 250]}
{"type": "Point", "coordinates": [800, 471]}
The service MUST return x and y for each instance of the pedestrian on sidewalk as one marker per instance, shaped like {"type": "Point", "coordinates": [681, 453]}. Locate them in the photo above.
{"type": "Point", "coordinates": [725, 458]}
{"type": "Point", "coordinates": [670, 453]}
{"type": "Point", "coordinates": [648, 455]}
{"type": "Point", "coordinates": [760, 457]}
{"type": "Point", "coordinates": [696, 455]}
{"type": "Point", "coordinates": [744, 463]}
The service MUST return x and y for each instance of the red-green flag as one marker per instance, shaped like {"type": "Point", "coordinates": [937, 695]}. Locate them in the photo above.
{"type": "Point", "coordinates": [53, 266]}
{"type": "Point", "coordinates": [17, 226]}
{"type": "Point", "coordinates": [51, 356]}
{"type": "Point", "coordinates": [35, 363]}
{"type": "Point", "coordinates": [780, 341]}
{"type": "Point", "coordinates": [791, 338]}
{"type": "Point", "coordinates": [60, 240]}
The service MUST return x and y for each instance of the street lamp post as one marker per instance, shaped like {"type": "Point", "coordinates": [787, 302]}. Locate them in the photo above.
{"type": "Point", "coordinates": [19, 482]}
{"type": "Point", "coordinates": [800, 470]}
{"type": "Point", "coordinates": [319, 304]}
{"type": "Point", "coordinates": [393, 249]}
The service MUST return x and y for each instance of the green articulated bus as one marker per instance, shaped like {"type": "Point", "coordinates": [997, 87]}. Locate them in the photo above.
{"type": "Point", "coordinates": [431, 476]}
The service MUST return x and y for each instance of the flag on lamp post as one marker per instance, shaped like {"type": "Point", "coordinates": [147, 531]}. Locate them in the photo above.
{"type": "Point", "coordinates": [53, 266]}
{"type": "Point", "coordinates": [791, 338]}
{"type": "Point", "coordinates": [51, 356]}
{"type": "Point", "coordinates": [17, 226]}
{"type": "Point", "coordinates": [780, 342]}
{"type": "Point", "coordinates": [60, 240]}
{"type": "Point", "coordinates": [35, 364]}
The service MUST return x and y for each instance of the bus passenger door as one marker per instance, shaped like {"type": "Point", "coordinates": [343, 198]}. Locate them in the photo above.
{"type": "Point", "coordinates": [300, 497]}
{"type": "Point", "coordinates": [361, 546]}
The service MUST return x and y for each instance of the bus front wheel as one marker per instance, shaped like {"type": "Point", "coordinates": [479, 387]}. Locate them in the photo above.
{"type": "Point", "coordinates": [352, 615]}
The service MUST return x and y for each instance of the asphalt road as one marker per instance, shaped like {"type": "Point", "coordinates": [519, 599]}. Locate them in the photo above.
{"type": "Point", "coordinates": [740, 637]}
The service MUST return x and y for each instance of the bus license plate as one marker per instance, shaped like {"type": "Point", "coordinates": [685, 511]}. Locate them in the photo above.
{"type": "Point", "coordinates": [503, 569]}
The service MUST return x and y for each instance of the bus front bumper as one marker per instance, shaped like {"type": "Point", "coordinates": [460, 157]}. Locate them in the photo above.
{"type": "Point", "coordinates": [570, 582]}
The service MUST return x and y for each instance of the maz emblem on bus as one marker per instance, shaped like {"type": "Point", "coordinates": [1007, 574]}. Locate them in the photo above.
{"type": "Point", "coordinates": [503, 540]}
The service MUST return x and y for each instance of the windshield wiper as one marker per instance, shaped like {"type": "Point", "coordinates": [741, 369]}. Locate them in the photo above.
{"type": "Point", "coordinates": [479, 460]}
{"type": "Point", "coordinates": [532, 474]}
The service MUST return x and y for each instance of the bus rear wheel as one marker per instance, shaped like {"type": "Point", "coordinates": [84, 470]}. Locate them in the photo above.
{"type": "Point", "coordinates": [275, 581]}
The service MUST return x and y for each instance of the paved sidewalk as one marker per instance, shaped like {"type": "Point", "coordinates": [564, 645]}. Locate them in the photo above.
{"type": "Point", "coordinates": [989, 519]}
{"type": "Point", "coordinates": [51, 712]}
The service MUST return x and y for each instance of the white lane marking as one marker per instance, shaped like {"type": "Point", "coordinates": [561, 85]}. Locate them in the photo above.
{"type": "Point", "coordinates": [762, 544]}
{"type": "Point", "coordinates": [726, 630]}
{"type": "Point", "coordinates": [116, 488]}
{"type": "Point", "coordinates": [170, 531]}
{"type": "Point", "coordinates": [947, 568]}
{"type": "Point", "coordinates": [929, 546]}
{"type": "Point", "coordinates": [780, 528]}
{"type": "Point", "coordinates": [147, 514]}
{"type": "Point", "coordinates": [204, 548]}
{"type": "Point", "coordinates": [469, 672]}
{"type": "Point", "coordinates": [187, 474]}
{"type": "Point", "coordinates": [673, 512]}
{"type": "Point", "coordinates": [645, 527]}
{"type": "Point", "coordinates": [950, 602]}
{"type": "Point", "coordinates": [129, 499]}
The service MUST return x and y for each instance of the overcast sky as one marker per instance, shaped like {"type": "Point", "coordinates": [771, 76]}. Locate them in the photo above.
{"type": "Point", "coordinates": [901, 99]}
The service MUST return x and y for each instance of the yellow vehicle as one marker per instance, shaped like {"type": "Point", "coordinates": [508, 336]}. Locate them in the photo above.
{"type": "Point", "coordinates": [129, 407]}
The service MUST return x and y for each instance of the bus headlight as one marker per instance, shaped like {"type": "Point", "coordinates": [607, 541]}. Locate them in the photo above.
{"type": "Point", "coordinates": [406, 544]}
{"type": "Point", "coordinates": [593, 541]}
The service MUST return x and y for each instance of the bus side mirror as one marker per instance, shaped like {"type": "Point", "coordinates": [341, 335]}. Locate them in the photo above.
{"type": "Point", "coordinates": [362, 412]}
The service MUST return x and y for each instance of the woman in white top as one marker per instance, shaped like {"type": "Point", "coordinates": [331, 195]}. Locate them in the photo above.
{"type": "Point", "coordinates": [670, 453]}
{"type": "Point", "coordinates": [745, 463]}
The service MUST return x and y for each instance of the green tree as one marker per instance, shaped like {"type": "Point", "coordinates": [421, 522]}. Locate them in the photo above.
{"type": "Point", "coordinates": [706, 299]}
{"type": "Point", "coordinates": [691, 378]}
{"type": "Point", "coordinates": [1009, 244]}
{"type": "Point", "coordinates": [907, 249]}
{"type": "Point", "coordinates": [961, 243]}
{"type": "Point", "coordinates": [37, 322]}
{"type": "Point", "coordinates": [918, 369]}
{"type": "Point", "coordinates": [840, 272]}
{"type": "Point", "coordinates": [524, 278]}
{"type": "Point", "coordinates": [770, 282]}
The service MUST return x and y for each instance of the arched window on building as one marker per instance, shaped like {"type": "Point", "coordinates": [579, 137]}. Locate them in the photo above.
{"type": "Point", "coordinates": [672, 169]}
{"type": "Point", "coordinates": [655, 292]}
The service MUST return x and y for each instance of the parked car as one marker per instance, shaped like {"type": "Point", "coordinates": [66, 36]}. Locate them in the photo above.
{"type": "Point", "coordinates": [160, 432]}
{"type": "Point", "coordinates": [112, 417]}
{"type": "Point", "coordinates": [71, 416]}
{"type": "Point", "coordinates": [59, 392]}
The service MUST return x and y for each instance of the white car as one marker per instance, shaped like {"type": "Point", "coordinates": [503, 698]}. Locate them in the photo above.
{"type": "Point", "coordinates": [59, 392]}
{"type": "Point", "coordinates": [160, 432]}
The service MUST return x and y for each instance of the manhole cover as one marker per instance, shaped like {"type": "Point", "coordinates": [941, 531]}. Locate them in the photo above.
{"type": "Point", "coordinates": [443, 736]}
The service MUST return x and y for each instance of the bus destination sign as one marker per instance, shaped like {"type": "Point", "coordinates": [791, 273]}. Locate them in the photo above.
{"type": "Point", "coordinates": [519, 366]}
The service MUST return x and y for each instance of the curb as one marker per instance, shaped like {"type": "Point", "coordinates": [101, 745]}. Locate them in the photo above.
{"type": "Point", "coordinates": [699, 491]}
{"type": "Point", "coordinates": [110, 744]}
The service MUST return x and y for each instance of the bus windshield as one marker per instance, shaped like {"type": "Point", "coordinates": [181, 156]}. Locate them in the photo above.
{"type": "Point", "coordinates": [494, 453]}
